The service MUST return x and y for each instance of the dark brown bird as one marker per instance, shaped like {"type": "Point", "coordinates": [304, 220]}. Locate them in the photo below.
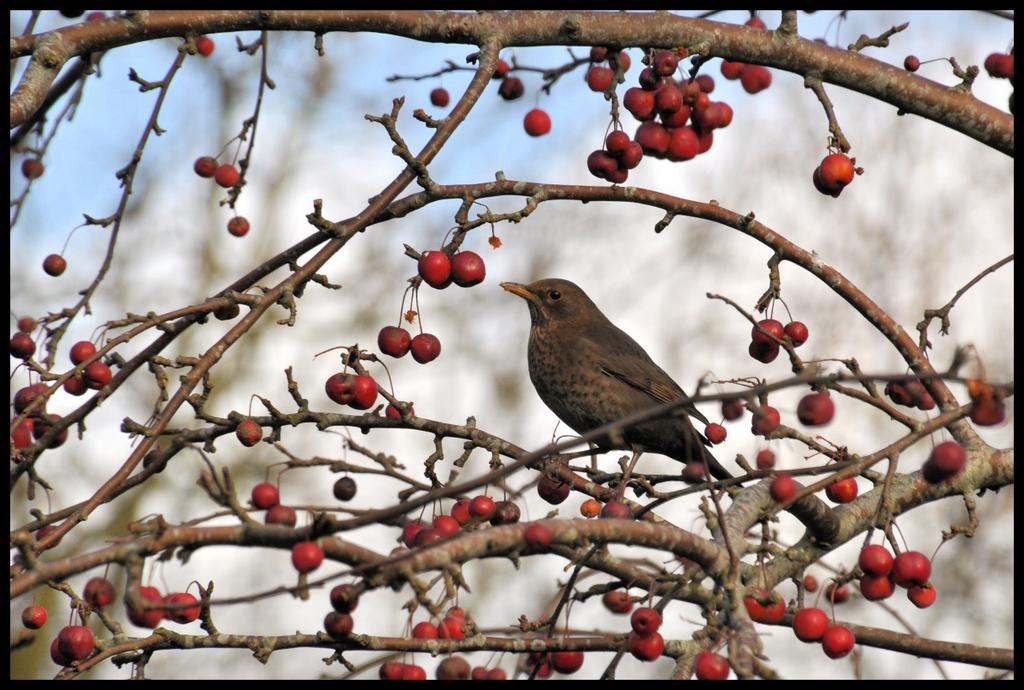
{"type": "Point", "coordinates": [590, 373]}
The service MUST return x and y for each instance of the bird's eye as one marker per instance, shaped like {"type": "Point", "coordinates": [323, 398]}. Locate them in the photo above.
{"type": "Point", "coordinates": [555, 295]}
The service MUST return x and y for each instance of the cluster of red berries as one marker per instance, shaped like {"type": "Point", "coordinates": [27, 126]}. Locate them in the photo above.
{"type": "Point", "coordinates": [599, 75]}
{"type": "Point", "coordinates": [1000, 65]}
{"type": "Point", "coordinates": [466, 511]}
{"type": "Point", "coordinates": [357, 390]}
{"type": "Point", "coordinates": [451, 627]}
{"type": "Point", "coordinates": [266, 497]}
{"type": "Point", "coordinates": [768, 333]}
{"type": "Point", "coordinates": [616, 159]}
{"type": "Point", "coordinates": [812, 625]}
{"type": "Point", "coordinates": [659, 95]}
{"type": "Point", "coordinates": [834, 173]}
{"type": "Point", "coordinates": [226, 176]}
{"type": "Point", "coordinates": [883, 573]}
{"type": "Point", "coordinates": [645, 642]}
{"type": "Point", "coordinates": [152, 617]}
{"type": "Point", "coordinates": [338, 622]}
{"type": "Point", "coordinates": [910, 394]}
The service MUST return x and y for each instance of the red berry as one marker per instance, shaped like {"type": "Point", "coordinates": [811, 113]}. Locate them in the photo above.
{"type": "Point", "coordinates": [911, 63]}
{"type": "Point", "coordinates": [76, 386]}
{"type": "Point", "coordinates": [617, 142]}
{"type": "Point", "coordinates": [683, 144]}
{"type": "Point", "coordinates": [205, 166]}
{"type": "Point", "coordinates": [424, 630]}
{"type": "Point", "coordinates": [809, 625]}
{"type": "Point", "coordinates": [837, 595]}
{"type": "Point", "coordinates": [453, 668]}
{"type": "Point", "coordinates": [755, 22]}
{"type": "Point", "coordinates": [97, 375]}
{"type": "Point", "coordinates": [428, 535]}
{"type": "Point", "coordinates": [43, 425]}
{"type": "Point", "coordinates": [616, 510]}
{"type": "Point", "coordinates": [876, 587]}
{"type": "Point", "coordinates": [425, 348]}
{"type": "Point", "coordinates": [460, 511]}
{"type": "Point", "coordinates": [590, 508]}
{"type": "Point", "coordinates": [797, 333]}
{"type": "Point", "coordinates": [732, 70]}
{"type": "Point", "coordinates": [645, 621]}
{"type": "Point", "coordinates": [715, 433]}
{"type": "Point", "coordinates": [22, 346]}
{"type": "Point", "coordinates": [99, 592]}
{"type": "Point", "coordinates": [765, 459]}
{"type": "Point", "coordinates": [775, 332]}
{"type": "Point", "coordinates": [21, 435]}
{"type": "Point", "coordinates": [838, 641]}
{"type": "Point", "coordinates": [410, 531]}
{"type": "Point", "coordinates": [665, 62]}
{"type": "Point", "coordinates": [602, 164]}
{"type": "Point", "coordinates": [345, 598]}
{"type": "Point", "coordinates": [511, 88]}
{"type": "Point", "coordinates": [249, 432]}
{"type": "Point", "coordinates": [439, 97]}
{"type": "Point", "coordinates": [265, 496]}
{"type": "Point", "coordinates": [281, 515]}
{"type": "Point", "coordinates": [836, 171]}
{"type": "Point", "coordinates": [599, 78]}
{"type": "Point", "coordinates": [999, 65]}
{"type": "Point", "coordinates": [365, 392]}
{"type": "Point", "coordinates": [922, 398]}
{"type": "Point", "coordinates": [182, 615]}
{"type": "Point", "coordinates": [452, 628]}
{"type": "Point", "coordinates": [393, 341]}
{"type": "Point", "coordinates": [784, 488]}
{"type": "Point", "coordinates": [875, 559]}
{"type": "Point", "coordinates": [537, 536]}
{"type": "Point", "coordinates": [26, 324]}
{"type": "Point", "coordinates": [338, 625]}
{"type": "Point", "coordinates": [413, 672]}
{"type": "Point", "coordinates": [500, 69]}
{"type": "Point", "coordinates": [345, 489]}
{"type": "Point", "coordinates": [76, 642]}
{"type": "Point", "coordinates": [911, 568]}
{"type": "Point", "coordinates": [468, 269]}
{"type": "Point", "coordinates": [810, 583]}
{"type": "Point", "coordinates": [81, 351]}
{"type": "Point", "coordinates": [619, 58]}
{"type": "Point", "coordinates": [922, 597]}
{"type": "Point", "coordinates": [946, 460]}
{"type": "Point", "coordinates": [341, 388]}
{"type": "Point", "coordinates": [639, 103]}
{"type": "Point", "coordinates": [732, 409]}
{"type": "Point", "coordinates": [763, 352]}
{"type": "Point", "coordinates": [238, 226]}
{"type": "Point", "coordinates": [482, 507]}
{"type": "Point", "coordinates": [537, 123]}
{"type": "Point", "coordinates": [33, 617]}
{"type": "Point", "coordinates": [552, 489]}
{"type": "Point", "coordinates": [667, 99]}
{"type": "Point", "coordinates": [24, 397]}
{"type": "Point", "coordinates": [652, 137]}
{"type": "Point", "coordinates": [32, 168]}
{"type": "Point", "coordinates": [435, 268]}
{"type": "Point", "coordinates": [54, 265]}
{"type": "Point", "coordinates": [226, 176]}
{"type": "Point", "coordinates": [57, 656]}
{"type": "Point", "coordinates": [566, 661]}
{"type": "Point", "coordinates": [648, 79]}
{"type": "Point", "coordinates": [765, 420]}
{"type": "Point", "coordinates": [205, 46]}
{"type": "Point", "coordinates": [711, 666]}
{"type": "Point", "coordinates": [765, 606]}
{"type": "Point", "coordinates": [843, 491]}
{"type": "Point", "coordinates": [148, 617]}
{"type": "Point", "coordinates": [646, 648]}
{"type": "Point", "coordinates": [446, 525]}
{"type": "Point", "coordinates": [693, 473]}
{"type": "Point", "coordinates": [755, 78]}
{"type": "Point", "coordinates": [307, 556]}
{"type": "Point", "coordinates": [505, 513]}
{"type": "Point", "coordinates": [988, 412]}
{"type": "Point", "coordinates": [617, 601]}
{"type": "Point", "coordinates": [496, 674]}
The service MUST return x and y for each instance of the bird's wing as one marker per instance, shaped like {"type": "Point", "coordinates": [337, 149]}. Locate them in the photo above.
{"type": "Point", "coordinates": [622, 358]}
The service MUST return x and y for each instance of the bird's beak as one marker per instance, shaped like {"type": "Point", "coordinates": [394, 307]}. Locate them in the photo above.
{"type": "Point", "coordinates": [522, 291]}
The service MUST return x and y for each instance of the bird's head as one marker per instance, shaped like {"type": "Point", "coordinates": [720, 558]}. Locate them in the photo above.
{"type": "Point", "coordinates": [553, 300]}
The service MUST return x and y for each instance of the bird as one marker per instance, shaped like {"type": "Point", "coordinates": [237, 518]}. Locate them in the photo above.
{"type": "Point", "coordinates": [589, 373]}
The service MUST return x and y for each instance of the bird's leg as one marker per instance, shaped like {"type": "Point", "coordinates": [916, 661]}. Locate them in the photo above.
{"type": "Point", "coordinates": [637, 452]}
